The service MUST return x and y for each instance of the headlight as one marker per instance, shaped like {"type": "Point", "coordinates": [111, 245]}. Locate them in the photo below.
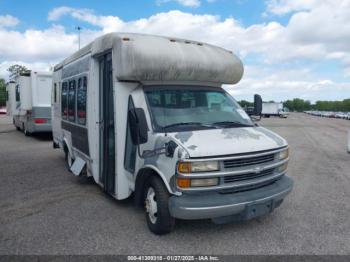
{"type": "Point", "coordinates": [200, 182]}
{"type": "Point", "coordinates": [282, 168]}
{"type": "Point", "coordinates": [283, 154]}
{"type": "Point", "coordinates": [204, 182]}
{"type": "Point", "coordinates": [200, 166]}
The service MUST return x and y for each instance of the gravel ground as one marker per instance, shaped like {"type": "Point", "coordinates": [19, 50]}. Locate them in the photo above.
{"type": "Point", "coordinates": [46, 210]}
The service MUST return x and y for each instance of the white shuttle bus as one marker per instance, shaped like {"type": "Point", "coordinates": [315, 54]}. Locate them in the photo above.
{"type": "Point", "coordinates": [29, 101]}
{"type": "Point", "coordinates": [146, 115]}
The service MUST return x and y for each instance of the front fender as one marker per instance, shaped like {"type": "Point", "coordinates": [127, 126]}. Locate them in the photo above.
{"type": "Point", "coordinates": [161, 175]}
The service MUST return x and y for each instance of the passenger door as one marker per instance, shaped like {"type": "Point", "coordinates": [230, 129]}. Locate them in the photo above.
{"type": "Point", "coordinates": [107, 130]}
{"type": "Point", "coordinates": [56, 112]}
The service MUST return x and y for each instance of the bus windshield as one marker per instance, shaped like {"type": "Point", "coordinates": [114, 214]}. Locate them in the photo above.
{"type": "Point", "coordinates": [184, 108]}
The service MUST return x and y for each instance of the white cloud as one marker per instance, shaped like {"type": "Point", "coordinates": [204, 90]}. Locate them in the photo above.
{"type": "Point", "coordinates": [280, 85]}
{"type": "Point", "coordinates": [107, 23]}
{"type": "Point", "coordinates": [281, 7]}
{"type": "Point", "coordinates": [58, 12]}
{"type": "Point", "coordinates": [36, 45]}
{"type": "Point", "coordinates": [187, 3]}
{"type": "Point", "coordinates": [8, 21]}
{"type": "Point", "coordinates": [319, 33]}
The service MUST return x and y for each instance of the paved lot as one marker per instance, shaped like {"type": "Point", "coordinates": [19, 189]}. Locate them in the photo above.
{"type": "Point", "coordinates": [46, 210]}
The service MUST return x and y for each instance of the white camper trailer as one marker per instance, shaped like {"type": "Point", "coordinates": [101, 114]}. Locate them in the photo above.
{"type": "Point", "coordinates": [30, 102]}
{"type": "Point", "coordinates": [147, 115]}
{"type": "Point", "coordinates": [11, 98]}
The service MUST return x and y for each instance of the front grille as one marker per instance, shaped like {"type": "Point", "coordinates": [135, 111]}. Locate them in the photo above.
{"type": "Point", "coordinates": [241, 177]}
{"type": "Point", "coordinates": [240, 162]}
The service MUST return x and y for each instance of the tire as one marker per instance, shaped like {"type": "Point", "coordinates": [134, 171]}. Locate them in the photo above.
{"type": "Point", "coordinates": [25, 131]}
{"type": "Point", "coordinates": [156, 198]}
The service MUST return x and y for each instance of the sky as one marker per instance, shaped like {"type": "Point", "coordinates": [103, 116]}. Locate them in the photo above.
{"type": "Point", "coordinates": [289, 48]}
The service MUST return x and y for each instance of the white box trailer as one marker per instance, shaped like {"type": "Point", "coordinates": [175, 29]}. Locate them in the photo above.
{"type": "Point", "coordinates": [273, 109]}
{"type": "Point", "coordinates": [11, 106]}
{"type": "Point", "coordinates": [147, 115]}
{"type": "Point", "coordinates": [30, 102]}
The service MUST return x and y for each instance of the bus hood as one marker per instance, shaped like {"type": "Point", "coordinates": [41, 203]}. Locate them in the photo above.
{"type": "Point", "coordinates": [227, 141]}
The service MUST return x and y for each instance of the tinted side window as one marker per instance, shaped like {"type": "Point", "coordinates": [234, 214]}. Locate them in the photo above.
{"type": "Point", "coordinates": [17, 93]}
{"type": "Point", "coordinates": [54, 93]}
{"type": "Point", "coordinates": [130, 148]}
{"type": "Point", "coordinates": [71, 101]}
{"type": "Point", "coordinates": [64, 105]}
{"type": "Point", "coordinates": [81, 100]}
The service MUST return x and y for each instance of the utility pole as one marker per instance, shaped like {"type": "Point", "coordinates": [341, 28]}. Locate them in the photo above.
{"type": "Point", "coordinates": [79, 29]}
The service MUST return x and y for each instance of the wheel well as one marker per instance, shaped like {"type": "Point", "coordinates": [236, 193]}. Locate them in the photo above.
{"type": "Point", "coordinates": [65, 147]}
{"type": "Point", "coordinates": [142, 176]}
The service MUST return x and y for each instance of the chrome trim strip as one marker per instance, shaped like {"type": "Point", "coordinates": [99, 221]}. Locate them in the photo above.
{"type": "Point", "coordinates": [234, 157]}
{"type": "Point", "coordinates": [234, 184]}
{"type": "Point", "coordinates": [230, 173]}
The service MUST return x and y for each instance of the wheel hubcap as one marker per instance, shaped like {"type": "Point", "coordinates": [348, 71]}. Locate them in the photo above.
{"type": "Point", "coordinates": [151, 205]}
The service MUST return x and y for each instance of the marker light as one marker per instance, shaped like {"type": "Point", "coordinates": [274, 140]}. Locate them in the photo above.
{"type": "Point", "coordinates": [183, 182]}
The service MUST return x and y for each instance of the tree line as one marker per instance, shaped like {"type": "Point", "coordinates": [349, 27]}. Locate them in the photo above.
{"type": "Point", "coordinates": [300, 105]}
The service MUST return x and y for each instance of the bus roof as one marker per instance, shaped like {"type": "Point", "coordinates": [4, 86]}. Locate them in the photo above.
{"type": "Point", "coordinates": [140, 57]}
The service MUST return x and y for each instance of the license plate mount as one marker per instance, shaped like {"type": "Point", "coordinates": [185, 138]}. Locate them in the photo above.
{"type": "Point", "coordinates": [258, 209]}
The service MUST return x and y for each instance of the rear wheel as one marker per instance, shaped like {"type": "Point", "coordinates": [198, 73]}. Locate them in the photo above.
{"type": "Point", "coordinates": [156, 197]}
{"type": "Point", "coordinates": [25, 131]}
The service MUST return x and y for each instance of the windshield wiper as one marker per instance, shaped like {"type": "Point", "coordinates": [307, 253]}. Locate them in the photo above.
{"type": "Point", "coordinates": [189, 124]}
{"type": "Point", "coordinates": [231, 124]}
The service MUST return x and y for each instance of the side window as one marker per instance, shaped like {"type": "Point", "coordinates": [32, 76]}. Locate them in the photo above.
{"type": "Point", "coordinates": [130, 148]}
{"type": "Point", "coordinates": [58, 92]}
{"type": "Point", "coordinates": [71, 101]}
{"type": "Point", "coordinates": [17, 93]}
{"type": "Point", "coordinates": [7, 95]}
{"type": "Point", "coordinates": [81, 100]}
{"type": "Point", "coordinates": [55, 93]}
{"type": "Point", "coordinates": [64, 100]}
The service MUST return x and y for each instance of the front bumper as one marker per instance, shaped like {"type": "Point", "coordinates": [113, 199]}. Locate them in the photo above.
{"type": "Point", "coordinates": [235, 206]}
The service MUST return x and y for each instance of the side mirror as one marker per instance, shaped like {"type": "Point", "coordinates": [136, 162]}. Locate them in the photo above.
{"type": "Point", "coordinates": [257, 105]}
{"type": "Point", "coordinates": [138, 126]}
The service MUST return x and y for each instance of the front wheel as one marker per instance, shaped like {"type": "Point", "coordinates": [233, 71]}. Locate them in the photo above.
{"type": "Point", "coordinates": [156, 197]}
